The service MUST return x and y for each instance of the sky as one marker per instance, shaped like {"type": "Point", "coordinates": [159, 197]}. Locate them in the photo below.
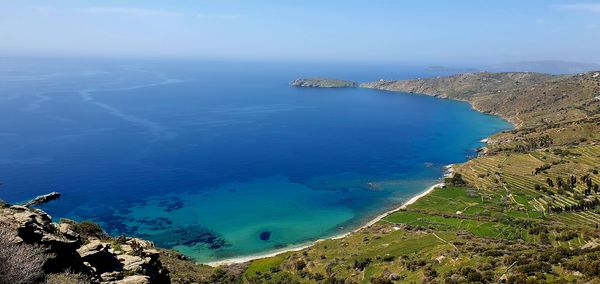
{"type": "Point", "coordinates": [465, 31]}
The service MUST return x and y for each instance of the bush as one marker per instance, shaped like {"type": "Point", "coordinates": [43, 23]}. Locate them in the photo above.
{"type": "Point", "coordinates": [535, 267]}
{"type": "Point", "coordinates": [86, 229]}
{"type": "Point", "coordinates": [20, 263]}
{"type": "Point", "coordinates": [220, 275]}
{"type": "Point", "coordinates": [300, 264]}
{"type": "Point", "coordinates": [381, 280]}
{"type": "Point", "coordinates": [362, 263]}
{"type": "Point", "coordinates": [567, 236]}
{"type": "Point", "coordinates": [471, 274]}
{"type": "Point", "coordinates": [456, 180]}
{"type": "Point", "coordinates": [67, 278]}
{"type": "Point", "coordinates": [389, 258]}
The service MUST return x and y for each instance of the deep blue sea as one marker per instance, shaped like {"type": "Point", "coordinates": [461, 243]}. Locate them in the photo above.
{"type": "Point", "coordinates": [222, 159]}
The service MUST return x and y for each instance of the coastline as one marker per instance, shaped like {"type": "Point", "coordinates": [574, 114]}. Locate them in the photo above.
{"type": "Point", "coordinates": [243, 259]}
{"type": "Point", "coordinates": [448, 172]}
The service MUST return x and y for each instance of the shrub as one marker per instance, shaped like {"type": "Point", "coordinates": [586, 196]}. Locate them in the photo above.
{"type": "Point", "coordinates": [388, 258]}
{"type": "Point", "coordinates": [567, 236]}
{"type": "Point", "coordinates": [362, 263]}
{"type": "Point", "coordinates": [381, 280]}
{"type": "Point", "coordinates": [456, 180]}
{"type": "Point", "coordinates": [20, 263]}
{"type": "Point", "coordinates": [220, 275]}
{"type": "Point", "coordinates": [471, 274]}
{"type": "Point", "coordinates": [318, 277]}
{"type": "Point", "coordinates": [300, 264]}
{"type": "Point", "coordinates": [534, 267]}
{"type": "Point", "coordinates": [67, 278]}
{"type": "Point", "coordinates": [86, 229]}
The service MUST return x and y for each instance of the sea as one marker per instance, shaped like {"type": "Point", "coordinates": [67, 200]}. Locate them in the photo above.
{"type": "Point", "coordinates": [220, 160]}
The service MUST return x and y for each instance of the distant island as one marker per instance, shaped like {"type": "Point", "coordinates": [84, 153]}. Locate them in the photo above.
{"type": "Point", "coordinates": [323, 83]}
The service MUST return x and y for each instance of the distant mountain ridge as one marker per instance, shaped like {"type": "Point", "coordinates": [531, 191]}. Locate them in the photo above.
{"type": "Point", "coordinates": [546, 66]}
{"type": "Point", "coordinates": [542, 66]}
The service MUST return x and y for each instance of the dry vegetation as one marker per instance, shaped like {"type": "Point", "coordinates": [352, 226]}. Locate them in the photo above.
{"type": "Point", "coordinates": [20, 263]}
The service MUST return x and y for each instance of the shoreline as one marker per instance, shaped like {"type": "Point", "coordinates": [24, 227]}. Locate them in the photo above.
{"type": "Point", "coordinates": [371, 222]}
{"type": "Point", "coordinates": [447, 173]}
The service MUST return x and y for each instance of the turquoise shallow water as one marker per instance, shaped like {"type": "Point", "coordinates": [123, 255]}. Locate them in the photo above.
{"type": "Point", "coordinates": [220, 160]}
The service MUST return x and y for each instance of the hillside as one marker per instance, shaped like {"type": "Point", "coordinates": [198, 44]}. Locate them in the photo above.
{"type": "Point", "coordinates": [526, 99]}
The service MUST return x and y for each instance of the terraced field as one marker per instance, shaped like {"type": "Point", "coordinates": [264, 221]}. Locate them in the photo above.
{"type": "Point", "coordinates": [513, 174]}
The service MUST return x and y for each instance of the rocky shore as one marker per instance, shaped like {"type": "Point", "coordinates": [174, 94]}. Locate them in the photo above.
{"type": "Point", "coordinates": [36, 249]}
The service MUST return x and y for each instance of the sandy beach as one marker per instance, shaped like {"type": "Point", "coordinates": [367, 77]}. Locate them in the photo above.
{"type": "Point", "coordinates": [247, 258]}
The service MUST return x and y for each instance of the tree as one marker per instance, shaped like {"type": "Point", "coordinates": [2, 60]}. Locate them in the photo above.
{"type": "Point", "coordinates": [559, 182]}
{"type": "Point", "coordinates": [457, 180]}
{"type": "Point", "coordinates": [362, 263]}
{"type": "Point", "coordinates": [300, 264]}
{"type": "Point", "coordinates": [550, 182]}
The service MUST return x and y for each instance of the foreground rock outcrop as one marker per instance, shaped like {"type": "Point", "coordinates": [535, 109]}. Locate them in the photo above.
{"type": "Point", "coordinates": [73, 247]}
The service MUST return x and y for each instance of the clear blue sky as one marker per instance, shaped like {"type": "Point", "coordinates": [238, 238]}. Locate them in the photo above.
{"type": "Point", "coordinates": [477, 31]}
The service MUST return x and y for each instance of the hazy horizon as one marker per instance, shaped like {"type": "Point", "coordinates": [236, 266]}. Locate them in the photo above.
{"type": "Point", "coordinates": [432, 32]}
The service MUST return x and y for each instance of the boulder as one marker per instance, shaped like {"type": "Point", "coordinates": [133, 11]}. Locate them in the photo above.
{"type": "Point", "coordinates": [98, 255]}
{"type": "Point", "coordinates": [131, 262]}
{"type": "Point", "coordinates": [111, 276]}
{"type": "Point", "coordinates": [394, 277]}
{"type": "Point", "coordinates": [92, 248]}
{"type": "Point", "coordinates": [68, 231]}
{"type": "Point", "coordinates": [136, 279]}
